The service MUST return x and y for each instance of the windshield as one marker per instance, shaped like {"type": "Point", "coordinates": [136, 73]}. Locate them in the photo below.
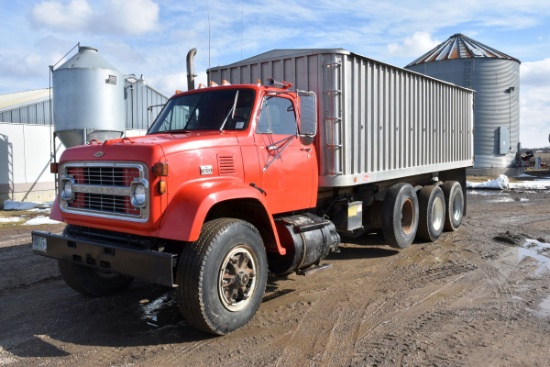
{"type": "Point", "coordinates": [227, 109]}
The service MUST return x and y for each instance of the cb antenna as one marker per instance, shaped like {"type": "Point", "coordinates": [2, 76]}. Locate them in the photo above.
{"type": "Point", "coordinates": [208, 10]}
{"type": "Point", "coordinates": [242, 13]}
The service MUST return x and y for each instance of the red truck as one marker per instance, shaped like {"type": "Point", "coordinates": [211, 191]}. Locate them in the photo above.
{"type": "Point", "coordinates": [234, 181]}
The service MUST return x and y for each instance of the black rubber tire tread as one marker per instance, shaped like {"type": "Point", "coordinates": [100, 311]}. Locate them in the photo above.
{"type": "Point", "coordinates": [452, 189]}
{"type": "Point", "coordinates": [426, 199]}
{"type": "Point", "coordinates": [392, 213]}
{"type": "Point", "coordinates": [85, 280]}
{"type": "Point", "coordinates": [192, 267]}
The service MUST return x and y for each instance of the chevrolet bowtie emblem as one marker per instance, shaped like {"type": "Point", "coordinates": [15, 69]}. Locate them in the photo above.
{"type": "Point", "coordinates": [98, 154]}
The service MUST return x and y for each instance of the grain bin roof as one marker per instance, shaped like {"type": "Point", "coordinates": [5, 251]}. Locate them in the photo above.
{"type": "Point", "coordinates": [458, 46]}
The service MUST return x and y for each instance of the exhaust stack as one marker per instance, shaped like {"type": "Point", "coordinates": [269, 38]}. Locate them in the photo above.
{"type": "Point", "coordinates": [190, 69]}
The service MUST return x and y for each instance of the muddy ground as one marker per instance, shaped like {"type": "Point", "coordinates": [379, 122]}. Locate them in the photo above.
{"type": "Point", "coordinates": [479, 296]}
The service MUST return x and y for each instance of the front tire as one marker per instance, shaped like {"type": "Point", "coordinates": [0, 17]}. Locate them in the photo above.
{"type": "Point", "coordinates": [92, 282]}
{"type": "Point", "coordinates": [222, 276]}
{"type": "Point", "coordinates": [400, 215]}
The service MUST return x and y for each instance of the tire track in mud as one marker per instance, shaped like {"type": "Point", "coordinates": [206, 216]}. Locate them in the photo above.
{"type": "Point", "coordinates": [332, 333]}
{"type": "Point", "coordinates": [437, 286]}
{"type": "Point", "coordinates": [462, 322]}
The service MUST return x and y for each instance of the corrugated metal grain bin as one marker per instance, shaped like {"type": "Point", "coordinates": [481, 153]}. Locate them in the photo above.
{"type": "Point", "coordinates": [495, 77]}
{"type": "Point", "coordinates": [377, 121]}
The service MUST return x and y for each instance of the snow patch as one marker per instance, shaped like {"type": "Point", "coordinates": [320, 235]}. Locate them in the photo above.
{"type": "Point", "coordinates": [18, 205]}
{"type": "Point", "coordinates": [502, 182]}
{"type": "Point", "coordinates": [10, 220]}
{"type": "Point", "coordinates": [40, 220]}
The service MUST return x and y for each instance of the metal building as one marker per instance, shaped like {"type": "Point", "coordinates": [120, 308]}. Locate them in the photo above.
{"type": "Point", "coordinates": [494, 76]}
{"type": "Point", "coordinates": [26, 107]}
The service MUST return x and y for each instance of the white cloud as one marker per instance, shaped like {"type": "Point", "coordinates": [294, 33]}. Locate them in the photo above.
{"type": "Point", "coordinates": [56, 15]}
{"type": "Point", "coordinates": [414, 46]}
{"type": "Point", "coordinates": [130, 17]}
{"type": "Point", "coordinates": [108, 16]}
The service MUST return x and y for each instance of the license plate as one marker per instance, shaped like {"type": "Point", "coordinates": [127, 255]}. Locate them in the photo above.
{"type": "Point", "coordinates": [39, 244]}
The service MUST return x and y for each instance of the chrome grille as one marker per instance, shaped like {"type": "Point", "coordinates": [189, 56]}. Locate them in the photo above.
{"type": "Point", "coordinates": [105, 176]}
{"type": "Point", "coordinates": [103, 189]}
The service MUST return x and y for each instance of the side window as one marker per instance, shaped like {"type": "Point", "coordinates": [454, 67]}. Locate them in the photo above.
{"type": "Point", "coordinates": [277, 117]}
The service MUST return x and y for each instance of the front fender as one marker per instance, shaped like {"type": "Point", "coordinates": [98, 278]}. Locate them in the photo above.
{"type": "Point", "coordinates": [189, 206]}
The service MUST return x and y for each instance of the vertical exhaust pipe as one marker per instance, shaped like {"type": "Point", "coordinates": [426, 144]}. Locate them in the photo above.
{"type": "Point", "coordinates": [190, 69]}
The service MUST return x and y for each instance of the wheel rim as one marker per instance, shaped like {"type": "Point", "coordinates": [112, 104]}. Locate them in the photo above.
{"type": "Point", "coordinates": [407, 216]}
{"type": "Point", "coordinates": [438, 214]}
{"type": "Point", "coordinates": [457, 208]}
{"type": "Point", "coordinates": [237, 279]}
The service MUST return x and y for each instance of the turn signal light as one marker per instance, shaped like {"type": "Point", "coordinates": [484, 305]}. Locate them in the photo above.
{"type": "Point", "coordinates": [162, 187]}
{"type": "Point", "coordinates": [160, 169]}
{"type": "Point", "coordinates": [54, 167]}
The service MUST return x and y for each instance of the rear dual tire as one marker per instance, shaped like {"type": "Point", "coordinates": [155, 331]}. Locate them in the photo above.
{"type": "Point", "coordinates": [400, 215]}
{"type": "Point", "coordinates": [431, 201]}
{"type": "Point", "coordinates": [407, 214]}
{"type": "Point", "coordinates": [454, 202]}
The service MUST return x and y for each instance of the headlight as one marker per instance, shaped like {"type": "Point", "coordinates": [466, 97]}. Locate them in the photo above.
{"type": "Point", "coordinates": [67, 189]}
{"type": "Point", "coordinates": [139, 194]}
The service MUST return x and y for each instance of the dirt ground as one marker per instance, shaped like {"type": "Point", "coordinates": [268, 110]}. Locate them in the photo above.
{"type": "Point", "coordinates": [479, 296]}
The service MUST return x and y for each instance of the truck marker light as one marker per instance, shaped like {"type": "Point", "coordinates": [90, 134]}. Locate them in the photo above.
{"type": "Point", "coordinates": [54, 167]}
{"type": "Point", "coordinates": [160, 169]}
{"type": "Point", "coordinates": [162, 187]}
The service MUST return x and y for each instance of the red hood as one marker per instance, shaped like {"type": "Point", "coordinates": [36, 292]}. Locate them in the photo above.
{"type": "Point", "coordinates": [150, 148]}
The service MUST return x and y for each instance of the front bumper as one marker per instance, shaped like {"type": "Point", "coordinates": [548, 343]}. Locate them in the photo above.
{"type": "Point", "coordinates": [151, 266]}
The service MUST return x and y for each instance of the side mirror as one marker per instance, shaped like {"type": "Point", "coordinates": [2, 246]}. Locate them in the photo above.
{"type": "Point", "coordinates": [308, 117]}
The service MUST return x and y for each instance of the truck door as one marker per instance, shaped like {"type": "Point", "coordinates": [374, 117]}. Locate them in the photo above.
{"type": "Point", "coordinates": [289, 169]}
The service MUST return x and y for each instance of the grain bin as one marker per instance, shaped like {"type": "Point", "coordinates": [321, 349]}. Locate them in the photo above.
{"type": "Point", "coordinates": [494, 76]}
{"type": "Point", "coordinates": [88, 96]}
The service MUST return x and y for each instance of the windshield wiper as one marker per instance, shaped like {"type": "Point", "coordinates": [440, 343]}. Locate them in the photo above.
{"type": "Point", "coordinates": [231, 111]}
{"type": "Point", "coordinates": [179, 131]}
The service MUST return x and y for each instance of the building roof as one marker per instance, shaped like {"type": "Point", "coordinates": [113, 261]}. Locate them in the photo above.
{"type": "Point", "coordinates": [14, 100]}
{"type": "Point", "coordinates": [458, 46]}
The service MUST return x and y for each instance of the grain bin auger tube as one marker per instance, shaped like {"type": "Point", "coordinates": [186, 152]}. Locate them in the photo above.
{"type": "Point", "coordinates": [190, 69]}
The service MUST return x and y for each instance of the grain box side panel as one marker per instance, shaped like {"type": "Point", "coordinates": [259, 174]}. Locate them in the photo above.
{"type": "Point", "coordinates": [396, 124]}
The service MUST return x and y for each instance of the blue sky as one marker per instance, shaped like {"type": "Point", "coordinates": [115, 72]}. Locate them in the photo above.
{"type": "Point", "coordinates": [152, 37]}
